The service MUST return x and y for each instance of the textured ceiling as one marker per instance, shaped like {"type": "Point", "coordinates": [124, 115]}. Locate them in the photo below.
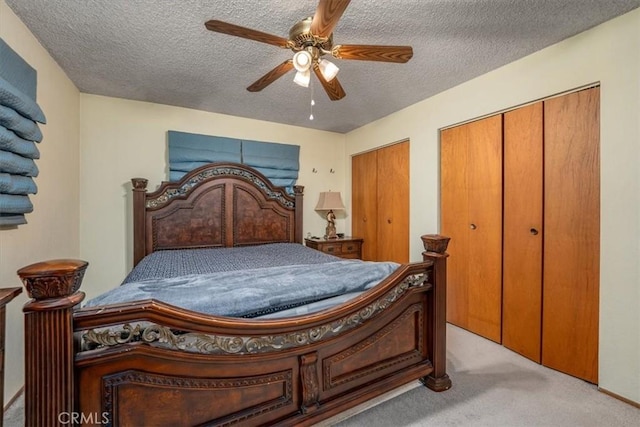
{"type": "Point", "coordinates": [160, 51]}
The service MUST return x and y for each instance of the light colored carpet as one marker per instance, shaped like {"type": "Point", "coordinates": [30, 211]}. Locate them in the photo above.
{"type": "Point", "coordinates": [492, 386]}
{"type": "Point", "coordinates": [14, 417]}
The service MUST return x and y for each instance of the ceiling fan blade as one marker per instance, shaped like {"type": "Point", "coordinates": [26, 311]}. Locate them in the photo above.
{"type": "Point", "coordinates": [271, 76]}
{"type": "Point", "coordinates": [365, 52]}
{"type": "Point", "coordinates": [247, 33]}
{"type": "Point", "coordinates": [333, 88]}
{"type": "Point", "coordinates": [327, 16]}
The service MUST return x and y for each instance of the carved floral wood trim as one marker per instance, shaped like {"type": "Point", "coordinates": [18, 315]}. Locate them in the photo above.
{"type": "Point", "coordinates": [41, 286]}
{"type": "Point", "coordinates": [310, 385]}
{"type": "Point", "coordinates": [196, 342]}
{"type": "Point", "coordinates": [157, 201]}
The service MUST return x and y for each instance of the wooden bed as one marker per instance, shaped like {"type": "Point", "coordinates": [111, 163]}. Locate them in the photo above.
{"type": "Point", "coordinates": [288, 371]}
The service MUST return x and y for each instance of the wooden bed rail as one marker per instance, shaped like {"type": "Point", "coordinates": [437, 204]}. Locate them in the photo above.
{"type": "Point", "coordinates": [50, 392]}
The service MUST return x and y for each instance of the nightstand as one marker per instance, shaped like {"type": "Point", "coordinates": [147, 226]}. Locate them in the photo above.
{"type": "Point", "coordinates": [343, 247]}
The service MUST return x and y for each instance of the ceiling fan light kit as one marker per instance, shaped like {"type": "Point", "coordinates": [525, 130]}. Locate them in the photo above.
{"type": "Point", "coordinates": [302, 61]}
{"type": "Point", "coordinates": [328, 69]}
{"type": "Point", "coordinates": [302, 78]}
{"type": "Point", "coordinates": [311, 39]}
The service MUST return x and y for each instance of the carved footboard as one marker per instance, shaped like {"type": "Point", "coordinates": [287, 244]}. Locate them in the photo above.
{"type": "Point", "coordinates": [149, 363]}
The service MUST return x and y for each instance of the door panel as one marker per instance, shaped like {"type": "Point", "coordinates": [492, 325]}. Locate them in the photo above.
{"type": "Point", "coordinates": [485, 227]}
{"type": "Point", "coordinates": [393, 203]}
{"type": "Point", "coordinates": [572, 234]}
{"type": "Point", "coordinates": [522, 246]}
{"type": "Point", "coordinates": [454, 220]}
{"type": "Point", "coordinates": [471, 214]}
{"type": "Point", "coordinates": [364, 193]}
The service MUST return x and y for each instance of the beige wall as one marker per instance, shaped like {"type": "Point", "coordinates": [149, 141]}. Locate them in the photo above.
{"type": "Point", "coordinates": [608, 54]}
{"type": "Point", "coordinates": [125, 139]}
{"type": "Point", "coordinates": [52, 229]}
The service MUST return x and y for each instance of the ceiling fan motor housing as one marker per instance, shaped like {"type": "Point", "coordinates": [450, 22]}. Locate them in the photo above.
{"type": "Point", "coordinates": [300, 38]}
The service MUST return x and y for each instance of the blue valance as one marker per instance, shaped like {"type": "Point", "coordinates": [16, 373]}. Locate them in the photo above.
{"type": "Point", "coordinates": [19, 133]}
{"type": "Point", "coordinates": [278, 162]}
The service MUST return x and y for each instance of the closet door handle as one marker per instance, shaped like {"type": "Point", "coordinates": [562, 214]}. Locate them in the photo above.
{"type": "Point", "coordinates": [534, 231]}
{"type": "Point", "coordinates": [473, 226]}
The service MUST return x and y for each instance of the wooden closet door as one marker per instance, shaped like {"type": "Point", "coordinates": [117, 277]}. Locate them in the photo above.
{"type": "Point", "coordinates": [364, 201]}
{"type": "Point", "coordinates": [393, 203]}
{"type": "Point", "coordinates": [454, 220]}
{"type": "Point", "coordinates": [572, 234]}
{"type": "Point", "coordinates": [471, 214]}
{"type": "Point", "coordinates": [485, 213]}
{"type": "Point", "coordinates": [522, 231]}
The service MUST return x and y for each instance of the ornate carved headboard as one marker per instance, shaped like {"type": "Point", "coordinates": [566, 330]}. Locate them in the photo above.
{"type": "Point", "coordinates": [216, 205]}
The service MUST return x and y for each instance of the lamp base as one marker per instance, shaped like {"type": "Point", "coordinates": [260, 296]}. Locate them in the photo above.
{"type": "Point", "coordinates": [330, 232]}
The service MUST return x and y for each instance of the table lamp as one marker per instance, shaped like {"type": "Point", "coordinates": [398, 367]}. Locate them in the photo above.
{"type": "Point", "coordinates": [330, 201]}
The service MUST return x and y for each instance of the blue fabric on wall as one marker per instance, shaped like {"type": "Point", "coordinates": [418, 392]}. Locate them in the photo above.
{"type": "Point", "coordinates": [189, 166]}
{"type": "Point", "coordinates": [182, 155]}
{"type": "Point", "coordinates": [15, 70]}
{"type": "Point", "coordinates": [277, 173]}
{"type": "Point", "coordinates": [13, 98]}
{"type": "Point", "coordinates": [13, 204]}
{"type": "Point", "coordinates": [15, 164]}
{"type": "Point", "coordinates": [188, 147]}
{"type": "Point", "coordinates": [9, 141]}
{"type": "Point", "coordinates": [9, 220]}
{"type": "Point", "coordinates": [176, 176]}
{"type": "Point", "coordinates": [19, 131]}
{"type": "Point", "coordinates": [188, 151]}
{"type": "Point", "coordinates": [271, 155]}
{"type": "Point", "coordinates": [16, 184]}
{"type": "Point", "coordinates": [23, 127]}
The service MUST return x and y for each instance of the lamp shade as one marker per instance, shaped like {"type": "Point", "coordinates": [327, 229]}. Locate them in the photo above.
{"type": "Point", "coordinates": [329, 200]}
{"type": "Point", "coordinates": [302, 61]}
{"type": "Point", "coordinates": [328, 69]}
{"type": "Point", "coordinates": [302, 78]}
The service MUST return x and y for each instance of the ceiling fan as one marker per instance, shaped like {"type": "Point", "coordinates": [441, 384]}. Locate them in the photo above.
{"type": "Point", "coordinates": [311, 39]}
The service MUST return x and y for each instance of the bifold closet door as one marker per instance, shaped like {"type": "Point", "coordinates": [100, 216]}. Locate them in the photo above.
{"type": "Point", "coordinates": [454, 220]}
{"type": "Point", "coordinates": [471, 214]}
{"type": "Point", "coordinates": [522, 246]}
{"type": "Point", "coordinates": [393, 203]}
{"type": "Point", "coordinates": [364, 202]}
{"type": "Point", "coordinates": [572, 234]}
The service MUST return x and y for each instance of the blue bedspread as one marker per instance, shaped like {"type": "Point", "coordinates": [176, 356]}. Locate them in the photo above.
{"type": "Point", "coordinates": [257, 291]}
{"type": "Point", "coordinates": [181, 262]}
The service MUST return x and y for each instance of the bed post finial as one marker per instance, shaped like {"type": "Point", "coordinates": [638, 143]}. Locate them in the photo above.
{"type": "Point", "coordinates": [436, 250]}
{"type": "Point", "coordinates": [139, 210]}
{"type": "Point", "coordinates": [298, 191]}
{"type": "Point", "coordinates": [48, 329]}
